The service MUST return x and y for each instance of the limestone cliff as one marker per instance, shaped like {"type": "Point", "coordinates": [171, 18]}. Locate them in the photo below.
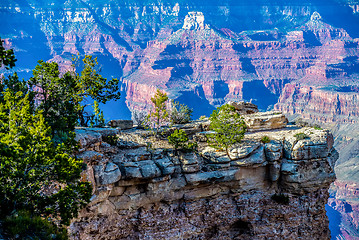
{"type": "Point", "coordinates": [143, 189]}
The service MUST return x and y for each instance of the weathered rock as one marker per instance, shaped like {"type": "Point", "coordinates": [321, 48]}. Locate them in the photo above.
{"type": "Point", "coordinates": [265, 121]}
{"type": "Point", "coordinates": [166, 191]}
{"type": "Point", "coordinates": [90, 156]}
{"type": "Point", "coordinates": [131, 169]}
{"type": "Point", "coordinates": [166, 166]}
{"type": "Point", "coordinates": [107, 174]}
{"type": "Point", "coordinates": [257, 158]}
{"type": "Point", "coordinates": [121, 124]}
{"type": "Point", "coordinates": [314, 145]}
{"type": "Point", "coordinates": [194, 21]}
{"type": "Point", "coordinates": [273, 151]}
{"type": "Point", "coordinates": [149, 169]}
{"type": "Point", "coordinates": [207, 177]}
{"type": "Point", "coordinates": [244, 107]}
{"type": "Point", "coordinates": [85, 137]}
{"type": "Point", "coordinates": [213, 156]}
{"type": "Point", "coordinates": [306, 175]}
{"type": "Point", "coordinates": [243, 150]}
{"type": "Point", "coordinates": [274, 171]}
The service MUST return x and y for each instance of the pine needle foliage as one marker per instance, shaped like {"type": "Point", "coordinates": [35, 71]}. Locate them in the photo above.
{"type": "Point", "coordinates": [228, 126]}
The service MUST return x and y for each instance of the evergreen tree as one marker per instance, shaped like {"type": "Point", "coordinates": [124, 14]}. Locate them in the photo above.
{"type": "Point", "coordinates": [36, 175]}
{"type": "Point", "coordinates": [159, 113]}
{"type": "Point", "coordinates": [7, 57]}
{"type": "Point", "coordinates": [61, 97]}
{"type": "Point", "coordinates": [229, 128]}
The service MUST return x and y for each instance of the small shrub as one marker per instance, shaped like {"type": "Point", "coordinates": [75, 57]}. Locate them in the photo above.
{"type": "Point", "coordinates": [140, 119]}
{"type": "Point", "coordinates": [110, 139]}
{"type": "Point", "coordinates": [97, 119]}
{"type": "Point", "coordinates": [265, 139]}
{"type": "Point", "coordinates": [301, 123]}
{"type": "Point", "coordinates": [179, 140]}
{"type": "Point", "coordinates": [317, 127]}
{"type": "Point", "coordinates": [24, 226]}
{"type": "Point", "coordinates": [281, 198]}
{"type": "Point", "coordinates": [203, 117]}
{"type": "Point", "coordinates": [159, 114]}
{"type": "Point", "coordinates": [180, 113]}
{"type": "Point", "coordinates": [301, 136]}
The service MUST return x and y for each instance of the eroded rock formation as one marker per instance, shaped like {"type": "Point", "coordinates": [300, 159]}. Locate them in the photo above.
{"type": "Point", "coordinates": [143, 189]}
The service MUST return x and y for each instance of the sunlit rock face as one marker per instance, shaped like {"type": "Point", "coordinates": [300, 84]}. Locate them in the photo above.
{"type": "Point", "coordinates": [209, 53]}
{"type": "Point", "coordinates": [158, 193]}
{"type": "Point", "coordinates": [194, 21]}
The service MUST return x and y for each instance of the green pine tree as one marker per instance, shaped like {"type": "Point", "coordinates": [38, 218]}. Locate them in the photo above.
{"type": "Point", "coordinates": [35, 174]}
{"type": "Point", "coordinates": [159, 114]}
{"type": "Point", "coordinates": [229, 128]}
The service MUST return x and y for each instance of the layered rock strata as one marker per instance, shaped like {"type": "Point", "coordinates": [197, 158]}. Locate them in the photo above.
{"type": "Point", "coordinates": [143, 189]}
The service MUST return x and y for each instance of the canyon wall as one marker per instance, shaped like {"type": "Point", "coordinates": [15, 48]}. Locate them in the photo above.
{"type": "Point", "coordinates": [143, 189]}
{"type": "Point", "coordinates": [300, 57]}
{"type": "Point", "coordinates": [209, 53]}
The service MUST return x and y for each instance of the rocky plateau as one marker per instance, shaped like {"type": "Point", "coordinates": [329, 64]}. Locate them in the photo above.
{"type": "Point", "coordinates": [144, 189]}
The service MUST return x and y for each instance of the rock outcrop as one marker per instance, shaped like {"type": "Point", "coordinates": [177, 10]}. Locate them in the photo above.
{"type": "Point", "coordinates": [143, 189]}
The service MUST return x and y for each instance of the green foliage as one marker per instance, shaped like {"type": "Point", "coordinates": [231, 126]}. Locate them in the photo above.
{"type": "Point", "coordinates": [179, 140]}
{"type": "Point", "coordinates": [229, 128]}
{"type": "Point", "coordinates": [61, 97]}
{"type": "Point", "coordinates": [180, 113]}
{"type": "Point", "coordinates": [7, 57]}
{"type": "Point", "coordinates": [317, 127]}
{"type": "Point", "coordinates": [159, 114]}
{"type": "Point", "coordinates": [281, 198]}
{"type": "Point", "coordinates": [301, 136]}
{"type": "Point", "coordinates": [55, 96]}
{"type": "Point", "coordinates": [90, 82]}
{"type": "Point", "coordinates": [97, 119]}
{"type": "Point", "coordinates": [265, 139]}
{"type": "Point", "coordinates": [202, 117]}
{"type": "Point", "coordinates": [110, 139]}
{"type": "Point", "coordinates": [39, 175]}
{"type": "Point", "coordinates": [23, 225]}
{"type": "Point", "coordinates": [31, 165]}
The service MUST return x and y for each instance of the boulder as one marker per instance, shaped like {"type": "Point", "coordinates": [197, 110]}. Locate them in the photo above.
{"type": "Point", "coordinates": [314, 145]}
{"type": "Point", "coordinates": [91, 156]}
{"type": "Point", "coordinates": [107, 174]}
{"type": "Point", "coordinates": [244, 107]}
{"type": "Point", "coordinates": [265, 120]}
{"type": "Point", "coordinates": [167, 167]}
{"type": "Point", "coordinates": [121, 124]}
{"type": "Point", "coordinates": [257, 158]}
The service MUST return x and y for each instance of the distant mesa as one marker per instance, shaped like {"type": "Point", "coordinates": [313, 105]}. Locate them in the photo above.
{"type": "Point", "coordinates": [194, 21]}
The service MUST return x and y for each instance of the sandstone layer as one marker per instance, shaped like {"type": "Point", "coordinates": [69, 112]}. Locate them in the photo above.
{"type": "Point", "coordinates": [143, 189]}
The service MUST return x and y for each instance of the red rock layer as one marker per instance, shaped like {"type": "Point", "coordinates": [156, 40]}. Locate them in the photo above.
{"type": "Point", "coordinates": [319, 105]}
{"type": "Point", "coordinates": [347, 205]}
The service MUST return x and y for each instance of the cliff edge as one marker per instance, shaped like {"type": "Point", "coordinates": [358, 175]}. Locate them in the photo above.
{"type": "Point", "coordinates": [143, 189]}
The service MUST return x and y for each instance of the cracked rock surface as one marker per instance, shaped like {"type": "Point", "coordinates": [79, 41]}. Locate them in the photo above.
{"type": "Point", "coordinates": [146, 190]}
